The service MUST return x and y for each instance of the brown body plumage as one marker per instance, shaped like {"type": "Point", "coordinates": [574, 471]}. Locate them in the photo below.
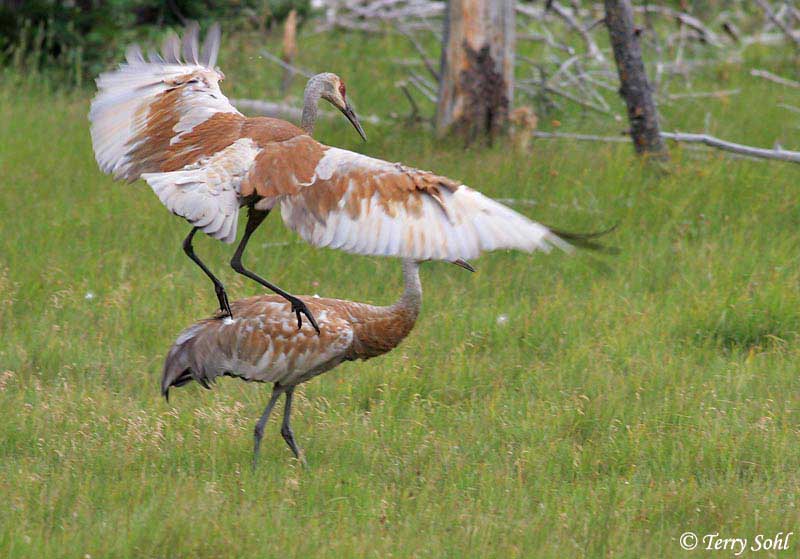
{"type": "Point", "coordinates": [261, 343]}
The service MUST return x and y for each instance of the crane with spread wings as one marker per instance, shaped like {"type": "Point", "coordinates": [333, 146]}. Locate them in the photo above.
{"type": "Point", "coordinates": [165, 120]}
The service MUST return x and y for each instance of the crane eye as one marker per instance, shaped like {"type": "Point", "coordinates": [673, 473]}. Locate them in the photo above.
{"type": "Point", "coordinates": [342, 89]}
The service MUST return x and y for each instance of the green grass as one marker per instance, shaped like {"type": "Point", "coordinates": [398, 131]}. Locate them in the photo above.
{"type": "Point", "coordinates": [616, 408]}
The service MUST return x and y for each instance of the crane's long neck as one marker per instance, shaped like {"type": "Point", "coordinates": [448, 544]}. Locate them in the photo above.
{"type": "Point", "coordinates": [411, 300]}
{"type": "Point", "coordinates": [311, 97]}
{"type": "Point", "coordinates": [381, 329]}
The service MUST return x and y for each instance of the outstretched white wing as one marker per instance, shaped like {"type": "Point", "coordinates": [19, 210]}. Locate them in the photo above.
{"type": "Point", "coordinates": [145, 106]}
{"type": "Point", "coordinates": [340, 199]}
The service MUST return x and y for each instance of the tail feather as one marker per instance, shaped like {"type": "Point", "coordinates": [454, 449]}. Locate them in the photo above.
{"type": "Point", "coordinates": [208, 56]}
{"type": "Point", "coordinates": [190, 42]}
{"type": "Point", "coordinates": [586, 240]}
{"type": "Point", "coordinates": [178, 364]}
{"type": "Point", "coordinates": [171, 49]}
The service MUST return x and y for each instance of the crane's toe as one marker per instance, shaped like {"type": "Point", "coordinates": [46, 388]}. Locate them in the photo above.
{"type": "Point", "coordinates": [224, 305]}
{"type": "Point", "coordinates": [299, 307]}
{"type": "Point", "coordinates": [288, 436]}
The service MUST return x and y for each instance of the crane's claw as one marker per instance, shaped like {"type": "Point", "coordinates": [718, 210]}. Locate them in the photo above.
{"type": "Point", "coordinates": [298, 307]}
{"type": "Point", "coordinates": [224, 306]}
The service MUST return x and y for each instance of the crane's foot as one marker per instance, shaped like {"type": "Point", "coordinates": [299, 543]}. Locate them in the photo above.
{"type": "Point", "coordinates": [224, 306]}
{"type": "Point", "coordinates": [299, 307]}
{"type": "Point", "coordinates": [288, 436]}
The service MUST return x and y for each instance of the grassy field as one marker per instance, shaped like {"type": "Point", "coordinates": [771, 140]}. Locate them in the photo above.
{"type": "Point", "coordinates": [618, 406]}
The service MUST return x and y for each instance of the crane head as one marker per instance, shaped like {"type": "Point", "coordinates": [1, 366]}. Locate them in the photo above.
{"type": "Point", "coordinates": [334, 91]}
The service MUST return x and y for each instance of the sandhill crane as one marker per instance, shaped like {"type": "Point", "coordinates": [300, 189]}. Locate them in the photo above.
{"type": "Point", "coordinates": [259, 343]}
{"type": "Point", "coordinates": [168, 122]}
{"type": "Point", "coordinates": [145, 107]}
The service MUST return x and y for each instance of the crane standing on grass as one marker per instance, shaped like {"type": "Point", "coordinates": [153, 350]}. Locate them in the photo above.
{"type": "Point", "coordinates": [259, 343]}
{"type": "Point", "coordinates": [166, 120]}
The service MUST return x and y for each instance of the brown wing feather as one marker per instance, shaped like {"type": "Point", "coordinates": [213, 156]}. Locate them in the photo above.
{"type": "Point", "coordinates": [204, 140]}
{"type": "Point", "coordinates": [340, 199]}
{"type": "Point", "coordinates": [143, 107]}
{"type": "Point", "coordinates": [290, 168]}
{"type": "Point", "coordinates": [283, 167]}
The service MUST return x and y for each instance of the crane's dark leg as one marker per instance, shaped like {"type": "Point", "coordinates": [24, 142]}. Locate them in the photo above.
{"type": "Point", "coordinates": [286, 429]}
{"type": "Point", "coordinates": [254, 219]}
{"type": "Point", "coordinates": [262, 421]}
{"type": "Point", "coordinates": [222, 296]}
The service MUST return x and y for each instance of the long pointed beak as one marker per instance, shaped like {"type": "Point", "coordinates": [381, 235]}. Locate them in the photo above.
{"type": "Point", "coordinates": [351, 116]}
{"type": "Point", "coordinates": [464, 264]}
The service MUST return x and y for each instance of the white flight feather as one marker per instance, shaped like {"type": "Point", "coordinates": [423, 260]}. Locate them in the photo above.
{"type": "Point", "coordinates": [471, 223]}
{"type": "Point", "coordinates": [207, 194]}
{"type": "Point", "coordinates": [119, 111]}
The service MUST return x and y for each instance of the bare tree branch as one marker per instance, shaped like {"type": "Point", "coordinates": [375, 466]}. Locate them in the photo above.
{"type": "Point", "coordinates": [270, 109]}
{"type": "Point", "coordinates": [420, 86]}
{"type": "Point", "coordinates": [526, 86]}
{"type": "Point", "coordinates": [683, 18]}
{"type": "Point", "coordinates": [591, 47]}
{"type": "Point", "coordinates": [414, 107]}
{"type": "Point", "coordinates": [581, 137]}
{"type": "Point", "coordinates": [285, 65]}
{"type": "Point", "coordinates": [421, 51]}
{"type": "Point", "coordinates": [287, 111]}
{"type": "Point", "coordinates": [704, 94]}
{"type": "Point", "coordinates": [790, 108]}
{"type": "Point", "coordinates": [764, 74]}
{"type": "Point", "coordinates": [767, 8]}
{"type": "Point", "coordinates": [737, 150]}
{"type": "Point", "coordinates": [778, 154]}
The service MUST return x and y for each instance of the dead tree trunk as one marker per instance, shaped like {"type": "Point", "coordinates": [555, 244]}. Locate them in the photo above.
{"type": "Point", "coordinates": [477, 69]}
{"type": "Point", "coordinates": [634, 88]}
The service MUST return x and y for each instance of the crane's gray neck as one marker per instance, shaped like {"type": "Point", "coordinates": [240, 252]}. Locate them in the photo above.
{"type": "Point", "coordinates": [311, 97]}
{"type": "Point", "coordinates": [411, 300]}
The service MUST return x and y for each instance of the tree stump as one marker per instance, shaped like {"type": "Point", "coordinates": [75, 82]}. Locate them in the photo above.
{"type": "Point", "coordinates": [477, 69]}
